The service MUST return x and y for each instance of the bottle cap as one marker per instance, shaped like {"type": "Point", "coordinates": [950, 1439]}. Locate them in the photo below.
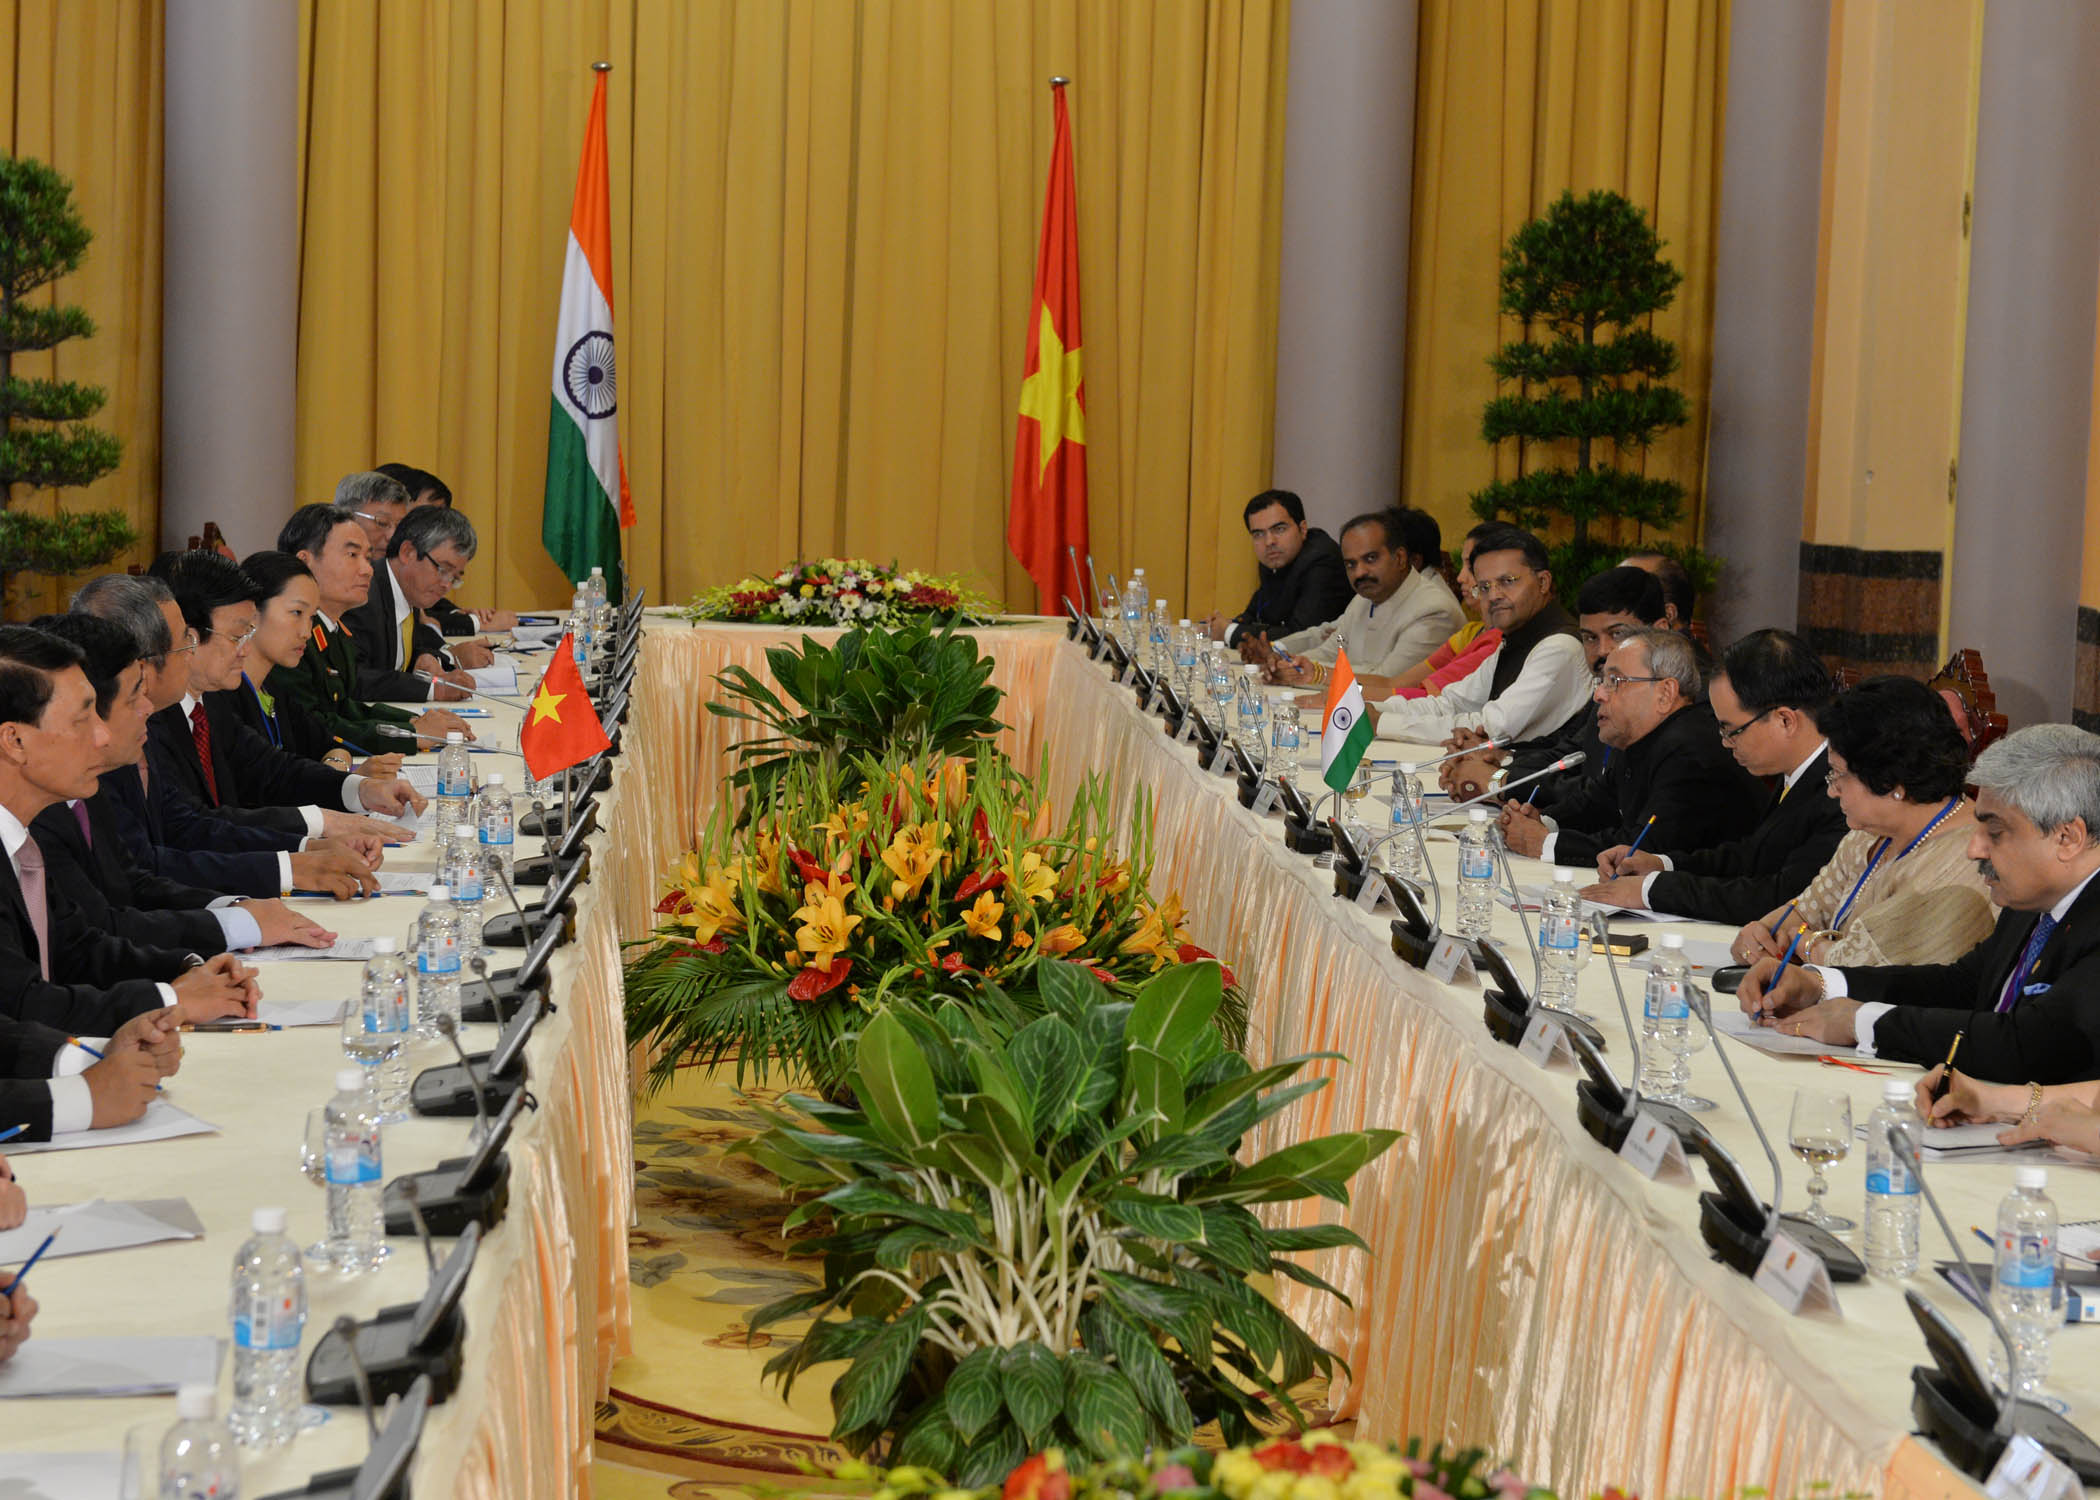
{"type": "Point", "coordinates": [383, 945]}
{"type": "Point", "coordinates": [267, 1221]}
{"type": "Point", "coordinates": [1408, 768]}
{"type": "Point", "coordinates": [350, 1080]}
{"type": "Point", "coordinates": [1896, 1091]}
{"type": "Point", "coordinates": [597, 572]}
{"type": "Point", "coordinates": [2031, 1177]}
{"type": "Point", "coordinates": [1562, 875]}
{"type": "Point", "coordinates": [454, 737]}
{"type": "Point", "coordinates": [1672, 940]}
{"type": "Point", "coordinates": [197, 1403]}
{"type": "Point", "coordinates": [1184, 624]}
{"type": "Point", "coordinates": [494, 778]}
{"type": "Point", "coordinates": [1478, 815]}
{"type": "Point", "coordinates": [440, 893]}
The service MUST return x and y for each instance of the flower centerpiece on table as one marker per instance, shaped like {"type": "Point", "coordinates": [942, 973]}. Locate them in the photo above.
{"type": "Point", "coordinates": [841, 591]}
{"type": "Point", "coordinates": [794, 920]}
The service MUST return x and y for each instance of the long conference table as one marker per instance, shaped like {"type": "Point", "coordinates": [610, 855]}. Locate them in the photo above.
{"type": "Point", "coordinates": [1526, 1290]}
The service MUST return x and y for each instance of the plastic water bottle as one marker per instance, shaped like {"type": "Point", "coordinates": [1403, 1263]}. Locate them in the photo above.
{"type": "Point", "coordinates": [197, 1458]}
{"type": "Point", "coordinates": [1560, 940]}
{"type": "Point", "coordinates": [388, 1010]}
{"type": "Point", "coordinates": [1476, 875]}
{"type": "Point", "coordinates": [1403, 850]}
{"type": "Point", "coordinates": [1137, 603]}
{"type": "Point", "coordinates": [583, 630]}
{"type": "Point", "coordinates": [1187, 652]}
{"type": "Point", "coordinates": [269, 1319]}
{"type": "Point", "coordinates": [2023, 1285]}
{"type": "Point", "coordinates": [356, 1223]}
{"type": "Point", "coordinates": [1253, 710]}
{"type": "Point", "coordinates": [495, 822]}
{"type": "Point", "coordinates": [601, 607]}
{"type": "Point", "coordinates": [1219, 680]}
{"type": "Point", "coordinates": [1285, 733]}
{"type": "Point", "coordinates": [1161, 655]}
{"type": "Point", "coordinates": [1666, 1021]}
{"type": "Point", "coordinates": [1892, 1188]}
{"type": "Point", "coordinates": [455, 784]}
{"type": "Point", "coordinates": [464, 866]}
{"type": "Point", "coordinates": [437, 962]}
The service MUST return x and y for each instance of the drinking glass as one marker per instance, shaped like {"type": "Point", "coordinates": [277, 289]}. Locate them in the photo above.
{"type": "Point", "coordinates": [313, 1161]}
{"type": "Point", "coordinates": [1820, 1131]}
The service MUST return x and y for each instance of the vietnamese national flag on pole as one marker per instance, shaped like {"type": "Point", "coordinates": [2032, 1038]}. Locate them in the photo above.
{"type": "Point", "coordinates": [561, 728]}
{"type": "Point", "coordinates": [1049, 501]}
{"type": "Point", "coordinates": [587, 503]}
{"type": "Point", "coordinates": [1345, 730]}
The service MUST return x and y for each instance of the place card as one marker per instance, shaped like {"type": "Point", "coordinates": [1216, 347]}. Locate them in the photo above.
{"type": "Point", "coordinates": [1654, 1149]}
{"type": "Point", "coordinates": [1187, 731]}
{"type": "Point", "coordinates": [1795, 1278]}
{"type": "Point", "coordinates": [1375, 893]}
{"type": "Point", "coordinates": [1448, 959]}
{"type": "Point", "coordinates": [1226, 763]}
{"type": "Point", "coordinates": [2028, 1471]}
{"type": "Point", "coordinates": [1545, 1044]}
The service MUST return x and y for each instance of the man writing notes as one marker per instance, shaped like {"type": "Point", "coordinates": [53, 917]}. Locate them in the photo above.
{"type": "Point", "coordinates": [1399, 615]}
{"type": "Point", "coordinates": [1533, 682]}
{"type": "Point", "coordinates": [2023, 1000]}
{"type": "Point", "coordinates": [1767, 700]}
{"type": "Point", "coordinates": [1302, 583]}
{"type": "Point", "coordinates": [429, 553]}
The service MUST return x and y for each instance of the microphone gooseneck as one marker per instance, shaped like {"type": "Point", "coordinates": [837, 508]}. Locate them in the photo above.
{"type": "Point", "coordinates": [450, 1030]}
{"type": "Point", "coordinates": [1567, 762]}
{"type": "Point", "coordinates": [1704, 1011]}
{"type": "Point", "coordinates": [1602, 931]}
{"type": "Point", "coordinates": [346, 1330]}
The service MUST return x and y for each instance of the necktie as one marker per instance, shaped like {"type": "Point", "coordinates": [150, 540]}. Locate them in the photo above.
{"type": "Point", "coordinates": [407, 626]}
{"type": "Point", "coordinates": [29, 868]}
{"type": "Point", "coordinates": [80, 816]}
{"type": "Point", "coordinates": [2025, 966]}
{"type": "Point", "coordinates": [200, 730]}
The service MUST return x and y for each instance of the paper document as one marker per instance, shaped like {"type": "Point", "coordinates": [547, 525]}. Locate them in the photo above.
{"type": "Point", "coordinates": [500, 678]}
{"type": "Point", "coordinates": [60, 1476]}
{"type": "Point", "coordinates": [110, 1367]}
{"type": "Point", "coordinates": [1966, 1142]}
{"type": "Point", "coordinates": [1706, 955]}
{"type": "Point", "coordinates": [1535, 896]}
{"type": "Point", "coordinates": [536, 637]}
{"type": "Point", "coordinates": [357, 949]}
{"type": "Point", "coordinates": [1733, 1022]}
{"type": "Point", "coordinates": [299, 1012]}
{"type": "Point", "coordinates": [423, 777]}
{"type": "Point", "coordinates": [98, 1225]}
{"type": "Point", "coordinates": [162, 1121]}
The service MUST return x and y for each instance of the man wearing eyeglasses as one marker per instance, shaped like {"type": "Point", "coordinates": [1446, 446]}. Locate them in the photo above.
{"type": "Point", "coordinates": [1669, 773]}
{"type": "Point", "coordinates": [1303, 582]}
{"type": "Point", "coordinates": [1768, 698]}
{"type": "Point", "coordinates": [395, 639]}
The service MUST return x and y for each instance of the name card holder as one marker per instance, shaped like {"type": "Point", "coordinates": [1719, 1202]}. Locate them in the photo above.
{"type": "Point", "coordinates": [1448, 959]}
{"type": "Point", "coordinates": [2028, 1471]}
{"type": "Point", "coordinates": [1545, 1044]}
{"type": "Point", "coordinates": [1796, 1278]}
{"type": "Point", "coordinates": [1658, 1155]}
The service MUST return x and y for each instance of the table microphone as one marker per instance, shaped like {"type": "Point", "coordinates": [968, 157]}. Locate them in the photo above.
{"type": "Point", "coordinates": [1413, 766]}
{"type": "Point", "coordinates": [436, 681]}
{"type": "Point", "coordinates": [410, 1189]}
{"type": "Point", "coordinates": [1607, 1122]}
{"type": "Point", "coordinates": [346, 1330]}
{"type": "Point", "coordinates": [1516, 897]}
{"type": "Point", "coordinates": [1096, 582]}
{"type": "Point", "coordinates": [474, 747]}
{"type": "Point", "coordinates": [450, 1030]}
{"type": "Point", "coordinates": [1567, 762]}
{"type": "Point", "coordinates": [1072, 557]}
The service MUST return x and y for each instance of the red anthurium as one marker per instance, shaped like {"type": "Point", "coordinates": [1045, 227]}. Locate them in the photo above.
{"type": "Point", "coordinates": [1189, 953]}
{"type": "Point", "coordinates": [1101, 974]}
{"type": "Point", "coordinates": [953, 964]}
{"type": "Point", "coordinates": [804, 862]}
{"type": "Point", "coordinates": [713, 945]}
{"type": "Point", "coordinates": [976, 881]}
{"type": "Point", "coordinates": [981, 828]}
{"type": "Point", "coordinates": [674, 904]}
{"type": "Point", "coordinates": [811, 983]}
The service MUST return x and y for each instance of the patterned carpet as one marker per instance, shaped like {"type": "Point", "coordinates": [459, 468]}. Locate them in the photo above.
{"type": "Point", "coordinates": [689, 1416]}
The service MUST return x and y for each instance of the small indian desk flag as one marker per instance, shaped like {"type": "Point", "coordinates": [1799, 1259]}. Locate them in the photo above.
{"type": "Point", "coordinates": [1345, 732]}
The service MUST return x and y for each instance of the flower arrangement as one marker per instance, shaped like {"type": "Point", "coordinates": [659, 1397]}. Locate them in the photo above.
{"type": "Point", "coordinates": [1316, 1466]}
{"type": "Point", "coordinates": [793, 922]}
{"type": "Point", "coordinates": [839, 591]}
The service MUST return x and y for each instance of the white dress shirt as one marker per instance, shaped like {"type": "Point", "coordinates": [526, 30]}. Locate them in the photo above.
{"type": "Point", "coordinates": [1787, 788]}
{"type": "Point", "coordinates": [315, 823]}
{"type": "Point", "coordinates": [237, 926]}
{"type": "Point", "coordinates": [1548, 691]}
{"type": "Point", "coordinates": [1385, 639]}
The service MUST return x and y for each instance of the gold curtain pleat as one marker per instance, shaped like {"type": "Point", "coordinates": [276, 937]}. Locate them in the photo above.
{"type": "Point", "coordinates": [825, 216]}
{"type": "Point", "coordinates": [81, 90]}
{"type": "Point", "coordinates": [1516, 102]}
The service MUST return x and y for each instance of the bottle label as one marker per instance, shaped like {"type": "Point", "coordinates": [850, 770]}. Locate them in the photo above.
{"type": "Point", "coordinates": [1666, 1000]}
{"type": "Point", "coordinates": [1476, 864]}
{"type": "Point", "coordinates": [438, 955]}
{"type": "Point", "coordinates": [268, 1323]}
{"type": "Point", "coordinates": [1557, 930]}
{"type": "Point", "coordinates": [461, 789]}
{"type": "Point", "coordinates": [2026, 1260]}
{"type": "Point", "coordinates": [505, 835]}
{"type": "Point", "coordinates": [1891, 1181]}
{"type": "Point", "coordinates": [354, 1162]}
{"type": "Point", "coordinates": [466, 888]}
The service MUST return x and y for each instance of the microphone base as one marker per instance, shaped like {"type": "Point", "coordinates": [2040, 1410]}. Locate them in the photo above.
{"type": "Point", "coordinates": [446, 1093]}
{"type": "Point", "coordinates": [1306, 838]}
{"type": "Point", "coordinates": [1604, 1119]}
{"type": "Point", "coordinates": [497, 999]}
{"type": "Point", "coordinates": [390, 1363]}
{"type": "Point", "coordinates": [1411, 947]}
{"type": "Point", "coordinates": [1739, 1244]}
{"type": "Point", "coordinates": [1507, 1020]}
{"type": "Point", "coordinates": [447, 1201]}
{"type": "Point", "coordinates": [507, 932]}
{"type": "Point", "coordinates": [1967, 1433]}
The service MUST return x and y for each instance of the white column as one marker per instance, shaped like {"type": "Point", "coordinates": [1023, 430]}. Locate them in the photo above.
{"type": "Point", "coordinates": [1348, 176]}
{"type": "Point", "coordinates": [230, 320]}
{"type": "Point", "coordinates": [2027, 377]}
{"type": "Point", "coordinates": [1764, 310]}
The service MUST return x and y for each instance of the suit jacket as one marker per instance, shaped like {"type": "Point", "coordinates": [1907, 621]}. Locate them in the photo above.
{"type": "Point", "coordinates": [1739, 882]}
{"type": "Point", "coordinates": [284, 723]}
{"type": "Point", "coordinates": [1680, 773]}
{"type": "Point", "coordinates": [113, 893]}
{"type": "Point", "coordinates": [1311, 589]}
{"type": "Point", "coordinates": [376, 634]}
{"type": "Point", "coordinates": [258, 784]}
{"type": "Point", "coordinates": [2052, 1033]}
{"type": "Point", "coordinates": [216, 864]}
{"type": "Point", "coordinates": [451, 619]}
{"type": "Point", "coordinates": [98, 981]}
{"type": "Point", "coordinates": [324, 685]}
{"type": "Point", "coordinates": [28, 1052]}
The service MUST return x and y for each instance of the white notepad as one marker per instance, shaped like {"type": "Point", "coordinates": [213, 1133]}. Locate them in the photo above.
{"type": "Point", "coordinates": [299, 1012]}
{"type": "Point", "coordinates": [162, 1121]}
{"type": "Point", "coordinates": [110, 1367]}
{"type": "Point", "coordinates": [60, 1476]}
{"type": "Point", "coordinates": [99, 1225]}
{"type": "Point", "coordinates": [354, 948]}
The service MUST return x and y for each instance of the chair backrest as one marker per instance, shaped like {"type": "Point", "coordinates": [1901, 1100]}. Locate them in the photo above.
{"type": "Point", "coordinates": [1966, 688]}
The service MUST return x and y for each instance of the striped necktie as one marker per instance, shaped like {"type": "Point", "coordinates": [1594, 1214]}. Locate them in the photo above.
{"type": "Point", "coordinates": [2025, 966]}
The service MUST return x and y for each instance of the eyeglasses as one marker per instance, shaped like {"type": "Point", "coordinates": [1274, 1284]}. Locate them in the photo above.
{"type": "Point", "coordinates": [238, 640]}
{"type": "Point", "coordinates": [1735, 732]}
{"type": "Point", "coordinates": [1832, 779]}
{"type": "Point", "coordinates": [1610, 682]}
{"type": "Point", "coordinates": [451, 575]}
{"type": "Point", "coordinates": [189, 643]}
{"type": "Point", "coordinates": [1506, 584]}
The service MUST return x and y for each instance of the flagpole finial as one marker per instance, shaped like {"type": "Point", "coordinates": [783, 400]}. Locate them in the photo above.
{"type": "Point", "coordinates": [1059, 82]}
{"type": "Point", "coordinates": [601, 67]}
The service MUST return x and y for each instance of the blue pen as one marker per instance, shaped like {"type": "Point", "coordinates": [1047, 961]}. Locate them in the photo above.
{"type": "Point", "coordinates": [83, 1046]}
{"type": "Point", "coordinates": [23, 1274]}
{"type": "Point", "coordinates": [1634, 847]}
{"type": "Point", "coordinates": [11, 1132]}
{"type": "Point", "coordinates": [1780, 972]}
{"type": "Point", "coordinates": [353, 749]}
{"type": "Point", "coordinates": [1785, 917]}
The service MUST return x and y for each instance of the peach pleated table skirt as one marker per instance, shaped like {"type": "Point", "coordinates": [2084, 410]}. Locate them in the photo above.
{"type": "Point", "coordinates": [1526, 1291]}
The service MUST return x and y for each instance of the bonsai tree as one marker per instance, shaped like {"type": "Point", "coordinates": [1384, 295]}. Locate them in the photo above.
{"type": "Point", "coordinates": [45, 442]}
{"type": "Point", "coordinates": [1585, 279]}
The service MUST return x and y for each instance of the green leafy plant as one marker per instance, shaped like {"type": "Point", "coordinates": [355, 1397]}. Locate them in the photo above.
{"type": "Point", "coordinates": [1016, 1209]}
{"type": "Point", "coordinates": [45, 440]}
{"type": "Point", "coordinates": [916, 692]}
{"type": "Point", "coordinates": [1586, 277]}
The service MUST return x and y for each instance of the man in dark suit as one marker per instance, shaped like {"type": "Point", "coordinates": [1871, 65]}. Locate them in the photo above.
{"type": "Point", "coordinates": [1669, 772]}
{"type": "Point", "coordinates": [425, 491]}
{"type": "Point", "coordinates": [201, 750]}
{"type": "Point", "coordinates": [1766, 699]}
{"type": "Point", "coordinates": [1302, 581]}
{"type": "Point", "coordinates": [2025, 1002]}
{"type": "Point", "coordinates": [56, 969]}
{"type": "Point", "coordinates": [53, 1087]}
{"type": "Point", "coordinates": [86, 856]}
{"type": "Point", "coordinates": [426, 558]}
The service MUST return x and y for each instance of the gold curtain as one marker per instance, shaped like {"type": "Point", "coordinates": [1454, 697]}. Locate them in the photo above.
{"type": "Point", "coordinates": [82, 91]}
{"type": "Point", "coordinates": [825, 216]}
{"type": "Point", "coordinates": [1517, 101]}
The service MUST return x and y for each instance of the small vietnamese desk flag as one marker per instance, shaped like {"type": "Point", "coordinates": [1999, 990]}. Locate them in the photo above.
{"type": "Point", "coordinates": [561, 727]}
{"type": "Point", "coordinates": [1049, 501]}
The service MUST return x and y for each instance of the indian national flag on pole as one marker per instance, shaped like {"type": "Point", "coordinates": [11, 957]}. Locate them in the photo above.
{"type": "Point", "coordinates": [587, 501]}
{"type": "Point", "coordinates": [1345, 731]}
